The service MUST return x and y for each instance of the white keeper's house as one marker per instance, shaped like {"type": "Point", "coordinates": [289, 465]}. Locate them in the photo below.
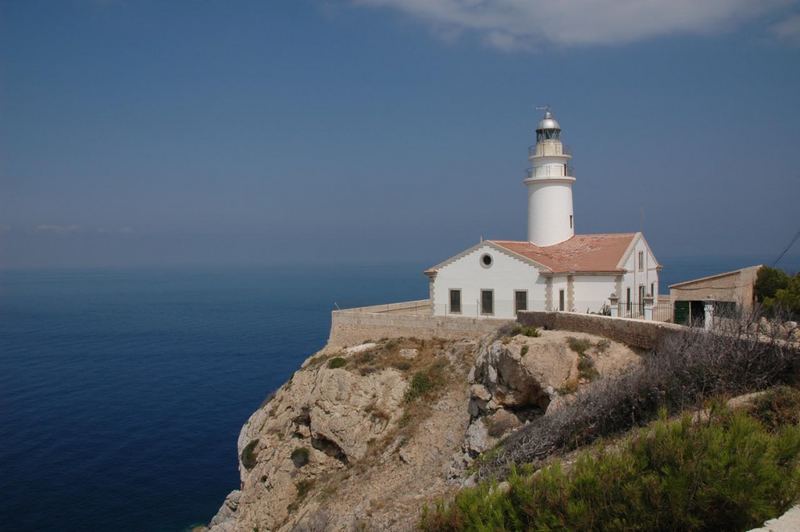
{"type": "Point", "coordinates": [555, 269]}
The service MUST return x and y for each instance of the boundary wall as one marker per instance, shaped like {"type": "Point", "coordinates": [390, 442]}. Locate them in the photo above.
{"type": "Point", "coordinates": [407, 319]}
{"type": "Point", "coordinates": [637, 333]}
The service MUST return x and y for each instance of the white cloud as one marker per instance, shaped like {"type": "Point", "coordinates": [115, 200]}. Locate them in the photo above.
{"type": "Point", "coordinates": [788, 30]}
{"type": "Point", "coordinates": [60, 229]}
{"type": "Point", "coordinates": [530, 24]}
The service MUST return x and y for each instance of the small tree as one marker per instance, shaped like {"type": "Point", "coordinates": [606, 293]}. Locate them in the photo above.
{"type": "Point", "coordinates": [787, 299]}
{"type": "Point", "coordinates": [769, 281]}
{"type": "Point", "coordinates": [778, 292]}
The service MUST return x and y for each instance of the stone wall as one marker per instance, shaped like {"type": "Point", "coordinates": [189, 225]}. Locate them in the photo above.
{"type": "Point", "coordinates": [408, 319]}
{"type": "Point", "coordinates": [636, 333]}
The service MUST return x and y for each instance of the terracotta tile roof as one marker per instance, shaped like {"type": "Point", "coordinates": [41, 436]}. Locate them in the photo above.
{"type": "Point", "coordinates": [581, 253]}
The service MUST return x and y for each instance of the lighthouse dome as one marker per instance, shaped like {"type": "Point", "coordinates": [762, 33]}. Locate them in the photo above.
{"type": "Point", "coordinates": [548, 122]}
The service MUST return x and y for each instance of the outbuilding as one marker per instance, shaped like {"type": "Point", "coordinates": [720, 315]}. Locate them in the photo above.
{"type": "Point", "coordinates": [728, 294]}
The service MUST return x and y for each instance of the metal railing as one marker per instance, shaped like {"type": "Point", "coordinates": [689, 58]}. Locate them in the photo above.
{"type": "Point", "coordinates": [638, 310]}
{"type": "Point", "coordinates": [550, 171]}
{"type": "Point", "coordinates": [548, 149]}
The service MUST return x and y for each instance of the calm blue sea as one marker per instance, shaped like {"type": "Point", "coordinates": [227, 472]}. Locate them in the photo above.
{"type": "Point", "coordinates": [122, 392]}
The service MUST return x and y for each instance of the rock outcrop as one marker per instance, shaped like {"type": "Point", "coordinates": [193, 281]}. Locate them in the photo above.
{"type": "Point", "coordinates": [518, 377]}
{"type": "Point", "coordinates": [363, 437]}
{"type": "Point", "coordinates": [358, 437]}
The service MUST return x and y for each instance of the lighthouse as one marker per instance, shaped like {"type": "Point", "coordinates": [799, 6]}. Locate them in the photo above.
{"type": "Point", "coordinates": [550, 216]}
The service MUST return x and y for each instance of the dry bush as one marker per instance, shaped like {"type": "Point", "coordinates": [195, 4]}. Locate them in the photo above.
{"type": "Point", "coordinates": [687, 368]}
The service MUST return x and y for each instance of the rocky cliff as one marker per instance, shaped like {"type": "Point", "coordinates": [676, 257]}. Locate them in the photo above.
{"type": "Point", "coordinates": [363, 437]}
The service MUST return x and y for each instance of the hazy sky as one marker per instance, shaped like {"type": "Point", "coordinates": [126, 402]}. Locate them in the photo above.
{"type": "Point", "coordinates": [162, 133]}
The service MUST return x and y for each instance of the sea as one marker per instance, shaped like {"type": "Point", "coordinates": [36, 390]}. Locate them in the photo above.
{"type": "Point", "coordinates": [122, 392]}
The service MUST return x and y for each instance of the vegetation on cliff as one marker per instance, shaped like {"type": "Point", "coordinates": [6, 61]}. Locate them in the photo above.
{"type": "Point", "coordinates": [778, 292]}
{"type": "Point", "coordinates": [687, 369]}
{"type": "Point", "coordinates": [729, 472]}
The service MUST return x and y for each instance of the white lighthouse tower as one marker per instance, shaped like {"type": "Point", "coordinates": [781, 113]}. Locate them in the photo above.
{"type": "Point", "coordinates": [550, 216]}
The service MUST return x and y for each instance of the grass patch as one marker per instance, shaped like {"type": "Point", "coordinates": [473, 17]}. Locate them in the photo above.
{"type": "Point", "coordinates": [525, 330]}
{"type": "Point", "coordinates": [300, 456]}
{"type": "Point", "coordinates": [579, 345]}
{"type": "Point", "coordinates": [586, 368]}
{"type": "Point", "coordinates": [729, 473]}
{"type": "Point", "coordinates": [337, 362]}
{"type": "Point", "coordinates": [421, 384]}
{"type": "Point", "coordinates": [249, 455]}
{"type": "Point", "coordinates": [524, 350]}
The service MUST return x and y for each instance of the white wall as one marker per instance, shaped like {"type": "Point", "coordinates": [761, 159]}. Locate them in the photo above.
{"type": "Point", "coordinates": [635, 277]}
{"type": "Point", "coordinates": [506, 274]}
{"type": "Point", "coordinates": [549, 210]}
{"type": "Point", "coordinates": [560, 283]}
{"type": "Point", "coordinates": [592, 291]}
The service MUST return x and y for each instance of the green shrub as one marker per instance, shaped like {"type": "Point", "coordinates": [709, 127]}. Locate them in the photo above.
{"type": "Point", "coordinates": [300, 456]}
{"type": "Point", "coordinates": [778, 292]}
{"type": "Point", "coordinates": [777, 407]}
{"type": "Point", "coordinates": [586, 368]}
{"type": "Point", "coordinates": [769, 281]}
{"type": "Point", "coordinates": [249, 455]}
{"type": "Point", "coordinates": [525, 330]}
{"type": "Point", "coordinates": [421, 384]}
{"type": "Point", "coordinates": [579, 345]}
{"type": "Point", "coordinates": [727, 474]}
{"type": "Point", "coordinates": [337, 362]}
{"type": "Point", "coordinates": [524, 350]}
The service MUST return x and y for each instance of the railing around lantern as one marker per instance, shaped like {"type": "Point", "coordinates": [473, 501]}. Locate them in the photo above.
{"type": "Point", "coordinates": [548, 150]}
{"type": "Point", "coordinates": [551, 171]}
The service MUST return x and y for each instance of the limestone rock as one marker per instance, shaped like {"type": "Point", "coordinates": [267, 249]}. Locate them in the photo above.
{"type": "Point", "coordinates": [477, 438]}
{"type": "Point", "coordinates": [360, 348]}
{"type": "Point", "coordinates": [361, 466]}
{"type": "Point", "coordinates": [517, 380]}
{"type": "Point", "coordinates": [409, 353]}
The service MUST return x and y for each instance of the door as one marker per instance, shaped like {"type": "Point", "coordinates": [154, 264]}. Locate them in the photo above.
{"type": "Point", "coordinates": [682, 312]}
{"type": "Point", "coordinates": [520, 300]}
{"type": "Point", "coordinates": [487, 302]}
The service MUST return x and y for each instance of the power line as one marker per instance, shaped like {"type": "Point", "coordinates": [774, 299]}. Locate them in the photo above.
{"type": "Point", "coordinates": [796, 236]}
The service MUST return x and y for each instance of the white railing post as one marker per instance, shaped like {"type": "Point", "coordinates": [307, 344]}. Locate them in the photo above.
{"type": "Point", "coordinates": [648, 308]}
{"type": "Point", "coordinates": [614, 304]}
{"type": "Point", "coordinates": [708, 321]}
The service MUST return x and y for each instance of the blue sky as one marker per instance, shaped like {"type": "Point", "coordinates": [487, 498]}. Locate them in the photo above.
{"type": "Point", "coordinates": [209, 132]}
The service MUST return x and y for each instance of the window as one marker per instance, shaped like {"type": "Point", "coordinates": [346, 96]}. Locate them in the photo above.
{"type": "Point", "coordinates": [520, 300]}
{"type": "Point", "coordinates": [628, 299]}
{"type": "Point", "coordinates": [487, 302]}
{"type": "Point", "coordinates": [561, 300]}
{"type": "Point", "coordinates": [486, 260]}
{"type": "Point", "coordinates": [652, 289]}
{"type": "Point", "coordinates": [570, 221]}
{"type": "Point", "coordinates": [641, 261]}
{"type": "Point", "coordinates": [455, 301]}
